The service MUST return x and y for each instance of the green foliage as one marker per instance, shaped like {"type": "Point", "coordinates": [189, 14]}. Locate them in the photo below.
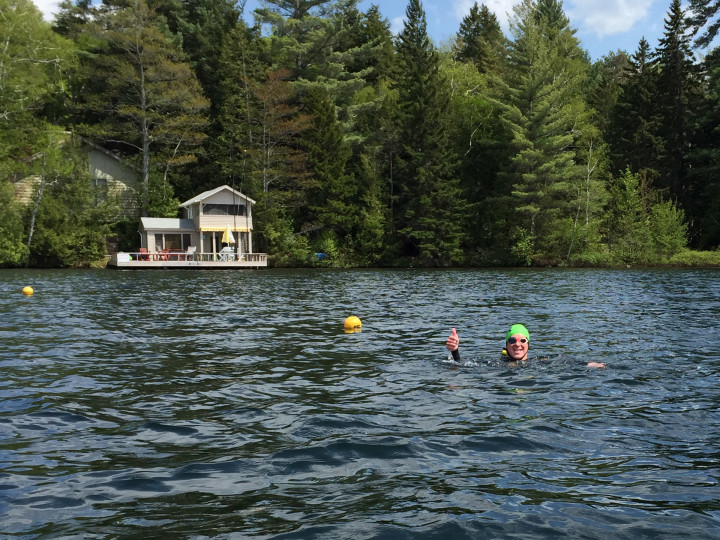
{"type": "Point", "coordinates": [161, 201]}
{"type": "Point", "coordinates": [668, 229]}
{"type": "Point", "coordinates": [426, 226]}
{"type": "Point", "coordinates": [13, 250]}
{"type": "Point", "coordinates": [150, 105]}
{"type": "Point", "coordinates": [688, 257]}
{"type": "Point", "coordinates": [521, 246]}
{"type": "Point", "coordinates": [371, 150]}
{"type": "Point", "coordinates": [627, 226]}
{"type": "Point", "coordinates": [634, 125]}
{"type": "Point", "coordinates": [327, 155]}
{"type": "Point", "coordinates": [549, 169]}
{"type": "Point", "coordinates": [704, 160]}
{"type": "Point", "coordinates": [480, 40]}
{"type": "Point", "coordinates": [287, 249]}
{"type": "Point", "coordinates": [70, 228]}
{"type": "Point", "coordinates": [704, 19]}
{"type": "Point", "coordinates": [33, 65]}
{"type": "Point", "coordinates": [642, 229]}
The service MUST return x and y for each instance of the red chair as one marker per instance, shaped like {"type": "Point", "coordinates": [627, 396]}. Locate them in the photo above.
{"type": "Point", "coordinates": [144, 254]}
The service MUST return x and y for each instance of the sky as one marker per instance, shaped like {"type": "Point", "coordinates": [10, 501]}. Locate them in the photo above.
{"type": "Point", "coordinates": [602, 26]}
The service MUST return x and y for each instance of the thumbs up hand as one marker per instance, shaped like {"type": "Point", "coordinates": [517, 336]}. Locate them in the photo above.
{"type": "Point", "coordinates": [453, 341]}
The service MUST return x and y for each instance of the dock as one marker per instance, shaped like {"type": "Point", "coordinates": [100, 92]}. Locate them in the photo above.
{"type": "Point", "coordinates": [182, 259]}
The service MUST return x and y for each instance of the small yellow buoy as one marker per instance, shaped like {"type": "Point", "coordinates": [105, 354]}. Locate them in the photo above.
{"type": "Point", "coordinates": [28, 291]}
{"type": "Point", "coordinates": [352, 324]}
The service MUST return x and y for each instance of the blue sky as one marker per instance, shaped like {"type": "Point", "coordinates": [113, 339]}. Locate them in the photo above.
{"type": "Point", "coordinates": [602, 25]}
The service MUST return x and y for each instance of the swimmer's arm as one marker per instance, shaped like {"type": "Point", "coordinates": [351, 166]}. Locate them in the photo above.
{"type": "Point", "coordinates": [452, 344]}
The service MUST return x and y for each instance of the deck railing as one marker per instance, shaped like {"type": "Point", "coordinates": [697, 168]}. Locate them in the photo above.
{"type": "Point", "coordinates": [184, 256]}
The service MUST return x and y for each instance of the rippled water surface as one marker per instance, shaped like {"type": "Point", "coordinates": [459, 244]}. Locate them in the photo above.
{"type": "Point", "coordinates": [233, 405]}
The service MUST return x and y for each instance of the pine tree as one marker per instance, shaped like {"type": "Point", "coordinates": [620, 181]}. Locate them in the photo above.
{"type": "Point", "coordinates": [704, 159]}
{"type": "Point", "coordinates": [429, 207]}
{"type": "Point", "coordinates": [331, 200]}
{"type": "Point", "coordinates": [676, 85]}
{"type": "Point", "coordinates": [547, 117]}
{"type": "Point", "coordinates": [704, 20]}
{"type": "Point", "coordinates": [236, 148]}
{"type": "Point", "coordinates": [480, 40]}
{"type": "Point", "coordinates": [635, 125]}
{"type": "Point", "coordinates": [152, 106]}
{"type": "Point", "coordinates": [607, 77]}
{"type": "Point", "coordinates": [202, 26]}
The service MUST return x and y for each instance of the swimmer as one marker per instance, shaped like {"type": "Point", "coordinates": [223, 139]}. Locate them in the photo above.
{"type": "Point", "coordinates": [517, 346]}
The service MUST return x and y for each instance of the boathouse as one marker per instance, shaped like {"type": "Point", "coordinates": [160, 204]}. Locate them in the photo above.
{"type": "Point", "coordinates": [214, 232]}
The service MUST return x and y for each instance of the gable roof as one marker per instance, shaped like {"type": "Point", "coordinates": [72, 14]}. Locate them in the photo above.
{"type": "Point", "coordinates": [206, 194]}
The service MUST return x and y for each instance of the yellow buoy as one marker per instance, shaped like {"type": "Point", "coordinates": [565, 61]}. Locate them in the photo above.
{"type": "Point", "coordinates": [352, 324]}
{"type": "Point", "coordinates": [27, 291]}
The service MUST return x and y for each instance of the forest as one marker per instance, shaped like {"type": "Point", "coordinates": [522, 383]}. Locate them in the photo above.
{"type": "Point", "coordinates": [374, 149]}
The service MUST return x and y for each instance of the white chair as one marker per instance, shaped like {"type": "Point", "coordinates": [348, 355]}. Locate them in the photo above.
{"type": "Point", "coordinates": [227, 254]}
{"type": "Point", "coordinates": [190, 255]}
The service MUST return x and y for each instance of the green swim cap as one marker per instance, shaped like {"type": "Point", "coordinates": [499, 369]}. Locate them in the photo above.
{"type": "Point", "coordinates": [517, 329]}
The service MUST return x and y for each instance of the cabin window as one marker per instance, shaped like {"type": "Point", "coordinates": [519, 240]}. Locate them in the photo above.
{"type": "Point", "coordinates": [172, 241]}
{"type": "Point", "coordinates": [224, 209]}
{"type": "Point", "coordinates": [101, 190]}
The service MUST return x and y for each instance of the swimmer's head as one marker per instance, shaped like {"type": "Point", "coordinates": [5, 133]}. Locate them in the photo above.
{"type": "Point", "coordinates": [517, 343]}
{"type": "Point", "coordinates": [517, 329]}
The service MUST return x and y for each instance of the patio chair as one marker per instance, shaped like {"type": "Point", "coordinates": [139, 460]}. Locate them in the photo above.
{"type": "Point", "coordinates": [190, 255]}
{"type": "Point", "coordinates": [227, 254]}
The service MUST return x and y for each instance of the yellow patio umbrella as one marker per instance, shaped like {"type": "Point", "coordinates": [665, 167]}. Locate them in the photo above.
{"type": "Point", "coordinates": [228, 237]}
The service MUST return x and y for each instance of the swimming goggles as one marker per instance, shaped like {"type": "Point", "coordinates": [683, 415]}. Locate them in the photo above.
{"type": "Point", "coordinates": [512, 340]}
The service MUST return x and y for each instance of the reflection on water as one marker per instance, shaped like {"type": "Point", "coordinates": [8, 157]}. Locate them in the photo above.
{"type": "Point", "coordinates": [233, 404]}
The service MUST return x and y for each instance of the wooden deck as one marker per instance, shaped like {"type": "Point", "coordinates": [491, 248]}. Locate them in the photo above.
{"type": "Point", "coordinates": [198, 261]}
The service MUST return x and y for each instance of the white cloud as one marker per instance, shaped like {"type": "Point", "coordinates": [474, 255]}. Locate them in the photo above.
{"type": "Point", "coordinates": [396, 25]}
{"type": "Point", "coordinates": [48, 8]}
{"type": "Point", "coordinates": [607, 17]}
{"type": "Point", "coordinates": [501, 9]}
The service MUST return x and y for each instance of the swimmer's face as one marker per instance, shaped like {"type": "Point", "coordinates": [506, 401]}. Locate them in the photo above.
{"type": "Point", "coordinates": [516, 349]}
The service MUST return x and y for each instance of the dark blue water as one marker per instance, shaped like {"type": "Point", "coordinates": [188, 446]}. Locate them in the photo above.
{"type": "Point", "coordinates": [233, 405]}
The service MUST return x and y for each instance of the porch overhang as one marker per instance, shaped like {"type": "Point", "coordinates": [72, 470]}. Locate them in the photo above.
{"type": "Point", "coordinates": [223, 229]}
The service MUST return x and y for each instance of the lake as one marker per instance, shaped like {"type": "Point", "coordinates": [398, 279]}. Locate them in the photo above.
{"type": "Point", "coordinates": [233, 405]}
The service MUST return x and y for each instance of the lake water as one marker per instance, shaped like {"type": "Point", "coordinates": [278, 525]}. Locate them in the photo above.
{"type": "Point", "coordinates": [232, 405]}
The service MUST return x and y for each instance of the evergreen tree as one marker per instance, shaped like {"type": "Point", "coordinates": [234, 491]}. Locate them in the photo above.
{"type": "Point", "coordinates": [236, 149]}
{"type": "Point", "coordinates": [321, 43]}
{"type": "Point", "coordinates": [704, 20]}
{"type": "Point", "coordinates": [152, 106]}
{"type": "Point", "coordinates": [704, 158]}
{"type": "Point", "coordinates": [202, 26]}
{"type": "Point", "coordinates": [635, 125]}
{"type": "Point", "coordinates": [331, 199]}
{"type": "Point", "coordinates": [676, 86]}
{"type": "Point", "coordinates": [547, 117]}
{"type": "Point", "coordinates": [428, 200]}
{"type": "Point", "coordinates": [641, 227]}
{"type": "Point", "coordinates": [480, 142]}
{"type": "Point", "coordinates": [480, 40]}
{"type": "Point", "coordinates": [607, 77]}
{"type": "Point", "coordinates": [282, 160]}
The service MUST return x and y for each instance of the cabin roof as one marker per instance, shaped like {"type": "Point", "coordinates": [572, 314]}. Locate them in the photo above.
{"type": "Point", "coordinates": [207, 194]}
{"type": "Point", "coordinates": [178, 224]}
